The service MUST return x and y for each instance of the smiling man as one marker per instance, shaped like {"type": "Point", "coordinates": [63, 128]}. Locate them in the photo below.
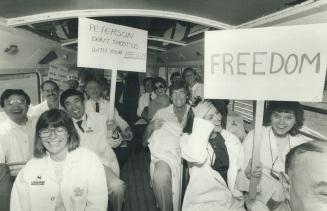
{"type": "Point", "coordinates": [92, 129]}
{"type": "Point", "coordinates": [17, 131]}
{"type": "Point", "coordinates": [50, 92]}
{"type": "Point", "coordinates": [165, 128]}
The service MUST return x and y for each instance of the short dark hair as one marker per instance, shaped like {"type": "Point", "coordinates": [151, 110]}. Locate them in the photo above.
{"type": "Point", "coordinates": [55, 118]}
{"type": "Point", "coordinates": [179, 84]}
{"type": "Point", "coordinates": [174, 74]}
{"type": "Point", "coordinates": [49, 82]}
{"type": "Point", "coordinates": [287, 107]}
{"type": "Point", "coordinates": [312, 146]}
{"type": "Point", "coordinates": [69, 93]}
{"type": "Point", "coordinates": [147, 79]}
{"type": "Point", "coordinates": [189, 69]}
{"type": "Point", "coordinates": [221, 106]}
{"type": "Point", "coordinates": [9, 92]}
{"type": "Point", "coordinates": [160, 80]}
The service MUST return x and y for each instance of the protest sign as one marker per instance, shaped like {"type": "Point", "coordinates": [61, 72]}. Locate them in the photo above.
{"type": "Point", "coordinates": [110, 46]}
{"type": "Point", "coordinates": [273, 63]}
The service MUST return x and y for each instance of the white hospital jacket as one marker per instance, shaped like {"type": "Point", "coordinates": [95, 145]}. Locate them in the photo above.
{"type": "Point", "coordinates": [206, 189]}
{"type": "Point", "coordinates": [83, 186]}
{"type": "Point", "coordinates": [268, 187]}
{"type": "Point", "coordinates": [96, 139]}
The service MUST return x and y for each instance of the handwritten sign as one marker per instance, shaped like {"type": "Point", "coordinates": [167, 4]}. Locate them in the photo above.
{"type": "Point", "coordinates": [273, 63]}
{"type": "Point", "coordinates": [61, 75]}
{"type": "Point", "coordinates": [110, 46]}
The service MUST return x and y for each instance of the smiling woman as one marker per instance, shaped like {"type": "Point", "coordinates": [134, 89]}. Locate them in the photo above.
{"type": "Point", "coordinates": [62, 176]}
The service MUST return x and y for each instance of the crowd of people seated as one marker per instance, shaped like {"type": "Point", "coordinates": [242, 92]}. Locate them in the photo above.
{"type": "Point", "coordinates": [66, 153]}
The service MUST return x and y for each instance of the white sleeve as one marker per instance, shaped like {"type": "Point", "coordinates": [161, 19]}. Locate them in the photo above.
{"type": "Point", "coordinates": [122, 124]}
{"type": "Point", "coordinates": [2, 154]}
{"type": "Point", "coordinates": [244, 182]}
{"type": "Point", "coordinates": [97, 197]}
{"type": "Point", "coordinates": [20, 196]}
{"type": "Point", "coordinates": [194, 146]}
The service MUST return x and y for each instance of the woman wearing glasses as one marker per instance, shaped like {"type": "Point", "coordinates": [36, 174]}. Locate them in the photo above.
{"type": "Point", "coordinates": [62, 176]}
{"type": "Point", "coordinates": [282, 120]}
{"type": "Point", "coordinates": [162, 100]}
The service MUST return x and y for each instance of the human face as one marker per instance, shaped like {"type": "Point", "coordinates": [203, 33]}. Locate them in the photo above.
{"type": "Point", "coordinates": [179, 97]}
{"type": "Point", "coordinates": [215, 118]}
{"type": "Point", "coordinates": [159, 89]}
{"type": "Point", "coordinates": [148, 86]}
{"type": "Point", "coordinates": [16, 108]}
{"type": "Point", "coordinates": [282, 122]}
{"type": "Point", "coordinates": [189, 78]}
{"type": "Point", "coordinates": [55, 139]}
{"type": "Point", "coordinates": [50, 92]}
{"type": "Point", "coordinates": [74, 107]}
{"type": "Point", "coordinates": [93, 89]}
{"type": "Point", "coordinates": [175, 78]}
{"type": "Point", "coordinates": [309, 182]}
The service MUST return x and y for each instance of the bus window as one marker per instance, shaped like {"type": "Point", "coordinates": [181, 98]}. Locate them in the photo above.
{"type": "Point", "coordinates": [29, 82]}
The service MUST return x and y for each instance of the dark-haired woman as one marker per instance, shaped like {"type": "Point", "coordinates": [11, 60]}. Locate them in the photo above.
{"type": "Point", "coordinates": [62, 176]}
{"type": "Point", "coordinates": [283, 120]}
{"type": "Point", "coordinates": [215, 159]}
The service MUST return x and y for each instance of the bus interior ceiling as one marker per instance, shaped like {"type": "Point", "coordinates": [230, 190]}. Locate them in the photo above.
{"type": "Point", "coordinates": [36, 33]}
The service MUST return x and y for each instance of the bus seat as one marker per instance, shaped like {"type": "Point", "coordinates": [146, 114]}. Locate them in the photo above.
{"type": "Point", "coordinates": [6, 183]}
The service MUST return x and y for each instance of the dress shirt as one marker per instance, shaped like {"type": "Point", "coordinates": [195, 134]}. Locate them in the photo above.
{"type": "Point", "coordinates": [104, 111]}
{"type": "Point", "coordinates": [95, 138]}
{"type": "Point", "coordinates": [17, 142]}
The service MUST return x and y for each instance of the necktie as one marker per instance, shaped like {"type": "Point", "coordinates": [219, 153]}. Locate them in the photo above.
{"type": "Point", "coordinates": [150, 97]}
{"type": "Point", "coordinates": [79, 123]}
{"type": "Point", "coordinates": [97, 109]}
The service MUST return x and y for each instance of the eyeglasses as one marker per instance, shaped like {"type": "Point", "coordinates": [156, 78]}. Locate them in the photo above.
{"type": "Point", "coordinates": [46, 133]}
{"type": "Point", "coordinates": [15, 101]}
{"type": "Point", "coordinates": [274, 173]}
{"type": "Point", "coordinates": [158, 87]}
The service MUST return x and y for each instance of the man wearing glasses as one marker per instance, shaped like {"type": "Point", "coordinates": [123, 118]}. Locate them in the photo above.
{"type": "Point", "coordinates": [17, 131]}
{"type": "Point", "coordinates": [16, 140]}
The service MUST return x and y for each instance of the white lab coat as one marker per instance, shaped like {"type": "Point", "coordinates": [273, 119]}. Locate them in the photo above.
{"type": "Point", "coordinates": [268, 187]}
{"type": "Point", "coordinates": [206, 189]}
{"type": "Point", "coordinates": [164, 145]}
{"type": "Point", "coordinates": [83, 186]}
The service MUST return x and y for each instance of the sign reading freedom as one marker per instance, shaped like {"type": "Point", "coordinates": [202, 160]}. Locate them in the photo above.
{"type": "Point", "coordinates": [111, 46]}
{"type": "Point", "coordinates": [273, 63]}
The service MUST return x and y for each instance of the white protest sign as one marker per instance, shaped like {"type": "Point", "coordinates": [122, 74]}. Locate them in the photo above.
{"type": "Point", "coordinates": [110, 46]}
{"type": "Point", "coordinates": [59, 74]}
{"type": "Point", "coordinates": [273, 63]}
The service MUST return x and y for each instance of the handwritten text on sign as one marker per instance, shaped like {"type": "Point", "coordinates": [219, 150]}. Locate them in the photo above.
{"type": "Point", "coordinates": [275, 63]}
{"type": "Point", "coordinates": [110, 46]}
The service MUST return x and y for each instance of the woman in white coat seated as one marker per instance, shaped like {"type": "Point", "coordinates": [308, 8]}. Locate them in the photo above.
{"type": "Point", "coordinates": [62, 176]}
{"type": "Point", "coordinates": [279, 136]}
{"type": "Point", "coordinates": [215, 158]}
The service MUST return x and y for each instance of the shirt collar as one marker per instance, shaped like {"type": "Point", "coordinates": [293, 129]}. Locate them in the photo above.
{"type": "Point", "coordinates": [84, 118]}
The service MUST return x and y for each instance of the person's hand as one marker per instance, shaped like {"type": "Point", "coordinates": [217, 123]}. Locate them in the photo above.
{"type": "Point", "coordinates": [156, 124]}
{"type": "Point", "coordinates": [111, 125]}
{"type": "Point", "coordinates": [145, 112]}
{"type": "Point", "coordinates": [255, 173]}
{"type": "Point", "coordinates": [203, 109]}
{"type": "Point", "coordinates": [127, 134]}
